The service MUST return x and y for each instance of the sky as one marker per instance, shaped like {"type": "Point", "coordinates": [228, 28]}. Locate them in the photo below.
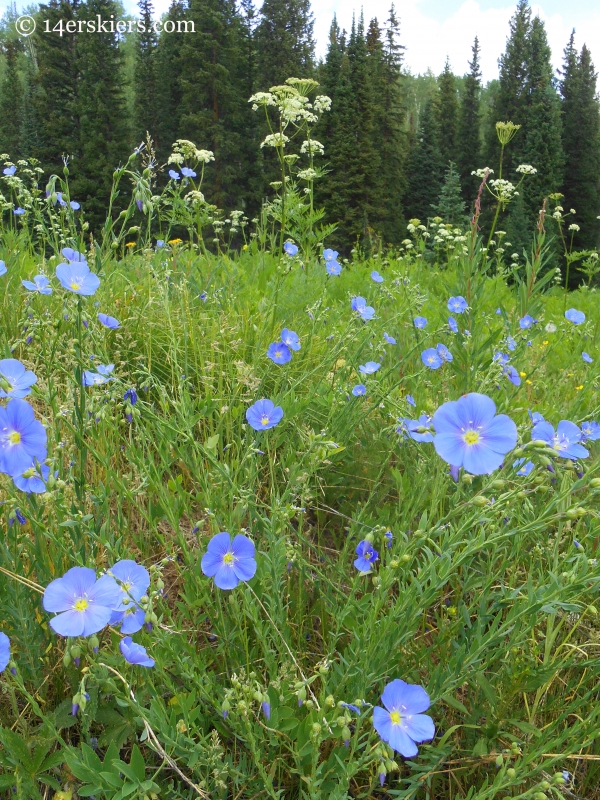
{"type": "Point", "coordinates": [432, 30]}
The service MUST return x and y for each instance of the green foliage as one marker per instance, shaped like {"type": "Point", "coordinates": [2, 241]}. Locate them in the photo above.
{"type": "Point", "coordinates": [425, 166]}
{"type": "Point", "coordinates": [451, 206]}
{"type": "Point", "coordinates": [447, 115]}
{"type": "Point", "coordinates": [284, 41]}
{"type": "Point", "coordinates": [469, 126]}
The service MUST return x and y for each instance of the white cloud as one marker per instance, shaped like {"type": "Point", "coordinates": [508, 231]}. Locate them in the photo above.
{"type": "Point", "coordinates": [429, 41]}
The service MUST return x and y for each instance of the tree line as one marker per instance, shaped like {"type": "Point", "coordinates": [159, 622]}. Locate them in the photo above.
{"type": "Point", "coordinates": [397, 146]}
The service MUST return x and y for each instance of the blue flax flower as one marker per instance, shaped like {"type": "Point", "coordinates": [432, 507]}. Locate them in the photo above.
{"type": "Point", "coordinates": [359, 304]}
{"type": "Point", "coordinates": [525, 466]}
{"type": "Point", "coordinates": [566, 440]}
{"type": "Point", "coordinates": [135, 653]}
{"type": "Point", "coordinates": [330, 255]}
{"type": "Point", "coordinates": [535, 417]}
{"type": "Point", "coordinates": [401, 723]}
{"type": "Point", "coordinates": [101, 376]}
{"type": "Point", "coordinates": [290, 339]}
{"type": "Point", "coordinates": [77, 278]}
{"type": "Point", "coordinates": [264, 414]}
{"type": "Point", "coordinates": [444, 353]}
{"type": "Point", "coordinates": [19, 379]}
{"type": "Point", "coordinates": [9, 170]}
{"type": "Point", "coordinates": [590, 431]}
{"type": "Point", "coordinates": [526, 322]}
{"type": "Point", "coordinates": [84, 604]}
{"type": "Point", "coordinates": [359, 390]}
{"type": "Point", "coordinates": [109, 322]}
{"type": "Point", "coordinates": [452, 324]}
{"type": "Point", "coordinates": [431, 358]}
{"type": "Point", "coordinates": [187, 172]}
{"type": "Point", "coordinates": [511, 343]}
{"type": "Point", "coordinates": [469, 434]}
{"type": "Point", "coordinates": [4, 651]}
{"type": "Point", "coordinates": [457, 304]}
{"type": "Point", "coordinates": [290, 248]}
{"type": "Point", "coordinates": [175, 176]}
{"type": "Point", "coordinates": [133, 580]}
{"type": "Point", "coordinates": [279, 353]}
{"type": "Point", "coordinates": [333, 268]}
{"type": "Point", "coordinates": [389, 339]}
{"type": "Point", "coordinates": [501, 358]}
{"type": "Point", "coordinates": [420, 322]}
{"type": "Point", "coordinates": [367, 556]}
{"type": "Point", "coordinates": [375, 276]}
{"type": "Point", "coordinates": [3, 269]}
{"type": "Point", "coordinates": [229, 562]}
{"type": "Point", "coordinates": [574, 316]}
{"type": "Point", "coordinates": [39, 284]}
{"type": "Point", "coordinates": [18, 212]}
{"type": "Point", "coordinates": [410, 400]}
{"type": "Point", "coordinates": [32, 480]}
{"type": "Point", "coordinates": [414, 428]}
{"type": "Point", "coordinates": [512, 375]}
{"type": "Point", "coordinates": [587, 358]}
{"type": "Point", "coordinates": [22, 437]}
{"type": "Point", "coordinates": [370, 368]}
{"type": "Point", "coordinates": [131, 395]}
{"type": "Point", "coordinates": [73, 256]}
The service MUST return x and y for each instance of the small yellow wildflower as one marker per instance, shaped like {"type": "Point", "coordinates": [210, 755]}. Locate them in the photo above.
{"type": "Point", "coordinates": [523, 374]}
{"type": "Point", "coordinates": [245, 247]}
{"type": "Point", "coordinates": [579, 388]}
{"type": "Point", "coordinates": [528, 382]}
{"type": "Point", "coordinates": [130, 244]}
{"type": "Point", "coordinates": [174, 241]}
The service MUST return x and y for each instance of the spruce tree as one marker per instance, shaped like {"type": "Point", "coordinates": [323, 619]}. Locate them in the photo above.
{"type": "Point", "coordinates": [169, 92]}
{"type": "Point", "coordinates": [450, 206]}
{"type": "Point", "coordinates": [55, 86]}
{"type": "Point", "coordinates": [284, 41]}
{"type": "Point", "coordinates": [11, 102]}
{"type": "Point", "coordinates": [447, 114]}
{"type": "Point", "coordinates": [510, 100]}
{"type": "Point", "coordinates": [29, 134]}
{"type": "Point", "coordinates": [540, 140]}
{"type": "Point", "coordinates": [145, 107]}
{"type": "Point", "coordinates": [425, 167]}
{"type": "Point", "coordinates": [104, 138]}
{"type": "Point", "coordinates": [469, 123]}
{"type": "Point", "coordinates": [214, 109]}
{"type": "Point", "coordinates": [581, 144]}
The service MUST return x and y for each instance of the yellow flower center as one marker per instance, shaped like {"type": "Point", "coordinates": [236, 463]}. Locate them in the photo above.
{"type": "Point", "coordinates": [74, 286]}
{"type": "Point", "coordinates": [264, 420]}
{"type": "Point", "coordinates": [81, 604]}
{"type": "Point", "coordinates": [126, 587]}
{"type": "Point", "coordinates": [14, 437]}
{"type": "Point", "coordinates": [278, 353]}
{"type": "Point", "coordinates": [395, 717]}
{"type": "Point", "coordinates": [228, 559]}
{"type": "Point", "coordinates": [471, 437]}
{"type": "Point", "coordinates": [29, 473]}
{"type": "Point", "coordinates": [431, 359]}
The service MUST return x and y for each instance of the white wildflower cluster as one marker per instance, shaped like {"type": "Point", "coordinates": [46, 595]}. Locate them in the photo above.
{"type": "Point", "coordinates": [262, 99]}
{"type": "Point", "coordinates": [307, 174]}
{"type": "Point", "coordinates": [297, 108]}
{"type": "Point", "coordinates": [322, 103]}
{"type": "Point", "coordinates": [194, 198]}
{"type": "Point", "coordinates": [481, 173]}
{"type": "Point", "coordinates": [189, 152]}
{"type": "Point", "coordinates": [411, 228]}
{"type": "Point", "coordinates": [312, 146]}
{"type": "Point", "coordinates": [275, 140]}
{"type": "Point", "coordinates": [505, 190]}
{"type": "Point", "coordinates": [551, 328]}
{"type": "Point", "coordinates": [526, 169]}
{"type": "Point", "coordinates": [238, 219]}
{"type": "Point", "coordinates": [575, 228]}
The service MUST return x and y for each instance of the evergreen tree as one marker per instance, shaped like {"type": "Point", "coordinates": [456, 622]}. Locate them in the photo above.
{"type": "Point", "coordinates": [450, 206]}
{"type": "Point", "coordinates": [425, 167]}
{"type": "Point", "coordinates": [169, 92]}
{"type": "Point", "coordinates": [581, 143]}
{"type": "Point", "coordinates": [29, 133]}
{"type": "Point", "coordinates": [215, 113]}
{"type": "Point", "coordinates": [510, 100]}
{"type": "Point", "coordinates": [469, 146]}
{"type": "Point", "coordinates": [146, 111]}
{"type": "Point", "coordinates": [55, 86]}
{"type": "Point", "coordinates": [104, 139]}
{"type": "Point", "coordinates": [11, 103]}
{"type": "Point", "coordinates": [540, 140]}
{"type": "Point", "coordinates": [284, 41]}
{"type": "Point", "coordinates": [447, 114]}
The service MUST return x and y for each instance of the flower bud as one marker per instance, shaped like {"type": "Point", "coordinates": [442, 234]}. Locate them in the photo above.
{"type": "Point", "coordinates": [595, 483]}
{"type": "Point", "coordinates": [346, 734]}
{"type": "Point", "coordinates": [511, 772]}
{"type": "Point", "coordinates": [480, 501]}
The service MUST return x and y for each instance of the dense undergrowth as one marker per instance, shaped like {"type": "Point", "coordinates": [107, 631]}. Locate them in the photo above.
{"type": "Point", "coordinates": [483, 590]}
